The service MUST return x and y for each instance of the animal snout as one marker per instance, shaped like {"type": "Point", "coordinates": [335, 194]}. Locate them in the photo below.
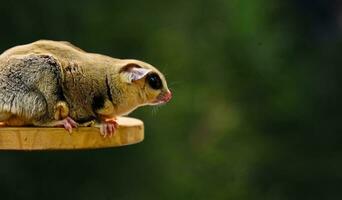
{"type": "Point", "coordinates": [167, 96]}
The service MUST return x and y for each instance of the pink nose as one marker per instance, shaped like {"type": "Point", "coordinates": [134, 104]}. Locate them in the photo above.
{"type": "Point", "coordinates": [167, 97]}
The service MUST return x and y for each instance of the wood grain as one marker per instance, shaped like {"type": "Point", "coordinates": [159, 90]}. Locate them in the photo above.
{"type": "Point", "coordinates": [130, 131]}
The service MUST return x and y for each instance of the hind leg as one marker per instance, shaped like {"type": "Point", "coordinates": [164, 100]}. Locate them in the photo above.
{"type": "Point", "coordinates": [67, 123]}
{"type": "Point", "coordinates": [60, 116]}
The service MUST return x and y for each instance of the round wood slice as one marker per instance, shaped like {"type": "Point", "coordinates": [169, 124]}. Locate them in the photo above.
{"type": "Point", "coordinates": [130, 131]}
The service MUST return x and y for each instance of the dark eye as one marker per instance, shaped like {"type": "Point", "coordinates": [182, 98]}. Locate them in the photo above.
{"type": "Point", "coordinates": [154, 81]}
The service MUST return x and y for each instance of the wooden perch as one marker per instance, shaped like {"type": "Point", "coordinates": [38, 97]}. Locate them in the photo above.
{"type": "Point", "coordinates": [130, 131]}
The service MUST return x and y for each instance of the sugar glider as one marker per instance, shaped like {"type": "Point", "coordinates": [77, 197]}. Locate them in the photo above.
{"type": "Point", "coordinates": [51, 83]}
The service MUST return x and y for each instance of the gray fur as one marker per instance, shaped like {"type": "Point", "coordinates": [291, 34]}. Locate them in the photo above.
{"type": "Point", "coordinates": [25, 88]}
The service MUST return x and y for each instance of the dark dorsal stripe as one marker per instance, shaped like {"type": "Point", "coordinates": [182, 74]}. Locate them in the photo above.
{"type": "Point", "coordinates": [98, 102]}
{"type": "Point", "coordinates": [109, 92]}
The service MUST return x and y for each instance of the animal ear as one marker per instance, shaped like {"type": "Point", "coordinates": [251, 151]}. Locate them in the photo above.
{"type": "Point", "coordinates": [133, 72]}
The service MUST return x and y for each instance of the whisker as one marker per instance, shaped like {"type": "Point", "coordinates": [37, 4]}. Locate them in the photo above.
{"type": "Point", "coordinates": [155, 110]}
{"type": "Point", "coordinates": [163, 68]}
{"type": "Point", "coordinates": [175, 83]}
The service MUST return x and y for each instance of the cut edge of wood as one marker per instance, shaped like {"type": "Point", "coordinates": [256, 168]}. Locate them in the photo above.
{"type": "Point", "coordinates": [130, 131]}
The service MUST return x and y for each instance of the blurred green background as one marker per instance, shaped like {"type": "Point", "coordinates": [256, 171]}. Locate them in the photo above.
{"type": "Point", "coordinates": [256, 107]}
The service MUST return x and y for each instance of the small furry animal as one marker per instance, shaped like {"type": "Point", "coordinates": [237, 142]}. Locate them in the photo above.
{"type": "Point", "coordinates": [50, 83]}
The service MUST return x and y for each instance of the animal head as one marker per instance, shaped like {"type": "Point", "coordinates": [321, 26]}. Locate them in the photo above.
{"type": "Point", "coordinates": [144, 82]}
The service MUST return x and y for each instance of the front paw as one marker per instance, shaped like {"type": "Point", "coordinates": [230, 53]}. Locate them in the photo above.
{"type": "Point", "coordinates": [108, 127]}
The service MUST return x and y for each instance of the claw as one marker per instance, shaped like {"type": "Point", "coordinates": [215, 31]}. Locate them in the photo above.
{"type": "Point", "coordinates": [68, 124]}
{"type": "Point", "coordinates": [108, 128]}
{"type": "Point", "coordinates": [71, 122]}
{"type": "Point", "coordinates": [68, 127]}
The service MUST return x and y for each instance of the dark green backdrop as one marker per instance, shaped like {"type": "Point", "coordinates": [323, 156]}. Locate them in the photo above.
{"type": "Point", "coordinates": [256, 107]}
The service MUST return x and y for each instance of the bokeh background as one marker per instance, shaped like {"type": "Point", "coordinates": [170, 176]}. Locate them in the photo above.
{"type": "Point", "coordinates": [256, 107]}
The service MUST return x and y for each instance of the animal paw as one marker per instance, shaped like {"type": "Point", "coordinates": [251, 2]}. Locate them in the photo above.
{"type": "Point", "coordinates": [108, 127]}
{"type": "Point", "coordinates": [68, 124]}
